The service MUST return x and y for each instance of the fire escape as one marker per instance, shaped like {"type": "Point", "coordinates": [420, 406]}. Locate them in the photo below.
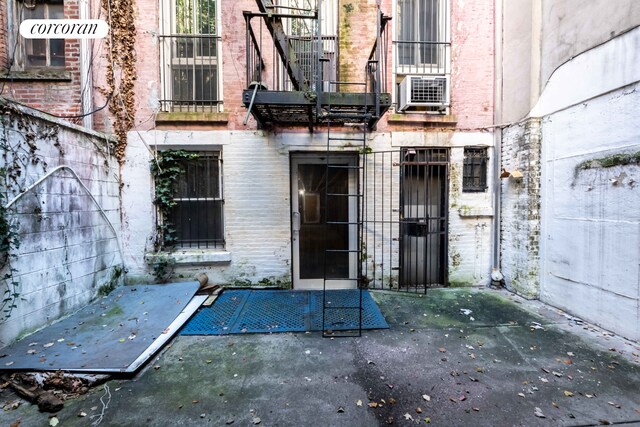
{"type": "Point", "coordinates": [292, 71]}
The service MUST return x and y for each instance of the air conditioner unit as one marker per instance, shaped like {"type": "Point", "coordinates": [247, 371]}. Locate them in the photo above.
{"type": "Point", "coordinates": [424, 91]}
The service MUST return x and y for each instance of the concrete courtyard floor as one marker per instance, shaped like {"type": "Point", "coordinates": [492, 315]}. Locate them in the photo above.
{"type": "Point", "coordinates": [455, 357]}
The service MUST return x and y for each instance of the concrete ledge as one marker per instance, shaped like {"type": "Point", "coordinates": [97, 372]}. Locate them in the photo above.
{"type": "Point", "coordinates": [196, 117]}
{"type": "Point", "coordinates": [467, 211]}
{"type": "Point", "coordinates": [443, 120]}
{"type": "Point", "coordinates": [190, 256]}
{"type": "Point", "coordinates": [36, 75]}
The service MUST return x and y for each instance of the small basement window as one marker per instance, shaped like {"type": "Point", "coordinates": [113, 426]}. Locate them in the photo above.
{"type": "Point", "coordinates": [474, 173]}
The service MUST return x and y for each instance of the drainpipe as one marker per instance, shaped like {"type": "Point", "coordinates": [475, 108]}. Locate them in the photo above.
{"type": "Point", "coordinates": [497, 141]}
{"type": "Point", "coordinates": [86, 82]}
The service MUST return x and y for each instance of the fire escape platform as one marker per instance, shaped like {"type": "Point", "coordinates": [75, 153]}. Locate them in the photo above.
{"type": "Point", "coordinates": [298, 108]}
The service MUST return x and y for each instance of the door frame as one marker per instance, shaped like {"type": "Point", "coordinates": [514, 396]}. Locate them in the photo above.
{"type": "Point", "coordinates": [310, 157]}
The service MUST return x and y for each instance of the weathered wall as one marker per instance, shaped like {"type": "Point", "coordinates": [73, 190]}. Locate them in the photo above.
{"type": "Point", "coordinates": [569, 27]}
{"type": "Point", "coordinates": [357, 34]}
{"type": "Point", "coordinates": [258, 203]}
{"type": "Point", "coordinates": [591, 227]}
{"type": "Point", "coordinates": [519, 33]}
{"type": "Point", "coordinates": [68, 249]}
{"type": "Point", "coordinates": [520, 208]}
{"type": "Point", "coordinates": [54, 91]}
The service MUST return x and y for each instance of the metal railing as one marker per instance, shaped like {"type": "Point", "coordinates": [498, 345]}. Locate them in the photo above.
{"type": "Point", "coordinates": [422, 58]}
{"type": "Point", "coordinates": [267, 68]}
{"type": "Point", "coordinates": [190, 72]}
{"type": "Point", "coordinates": [377, 63]}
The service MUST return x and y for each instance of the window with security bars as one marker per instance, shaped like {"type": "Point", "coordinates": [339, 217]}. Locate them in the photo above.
{"type": "Point", "coordinates": [190, 54]}
{"type": "Point", "coordinates": [474, 173]}
{"type": "Point", "coordinates": [197, 216]}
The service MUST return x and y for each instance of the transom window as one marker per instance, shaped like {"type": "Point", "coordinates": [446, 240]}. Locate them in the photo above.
{"type": "Point", "coordinates": [41, 53]}
{"type": "Point", "coordinates": [474, 174]}
{"type": "Point", "coordinates": [197, 216]}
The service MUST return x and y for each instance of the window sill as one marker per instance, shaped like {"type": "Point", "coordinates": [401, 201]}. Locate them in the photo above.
{"type": "Point", "coordinates": [192, 256]}
{"type": "Point", "coordinates": [37, 75]}
{"type": "Point", "coordinates": [195, 117]}
{"type": "Point", "coordinates": [407, 118]}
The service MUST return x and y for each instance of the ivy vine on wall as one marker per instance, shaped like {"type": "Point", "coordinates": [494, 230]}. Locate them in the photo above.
{"type": "Point", "coordinates": [121, 60]}
{"type": "Point", "coordinates": [165, 169]}
{"type": "Point", "coordinates": [19, 152]}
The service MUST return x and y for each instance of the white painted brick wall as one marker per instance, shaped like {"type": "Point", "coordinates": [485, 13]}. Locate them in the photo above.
{"type": "Point", "coordinates": [258, 202]}
{"type": "Point", "coordinates": [67, 249]}
{"type": "Point", "coordinates": [520, 205]}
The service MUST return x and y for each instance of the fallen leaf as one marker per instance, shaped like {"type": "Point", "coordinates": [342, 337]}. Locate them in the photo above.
{"type": "Point", "coordinates": [589, 396]}
{"type": "Point", "coordinates": [32, 351]}
{"type": "Point", "coordinates": [256, 420]}
{"type": "Point", "coordinates": [604, 422]}
{"type": "Point", "coordinates": [392, 401]}
{"type": "Point", "coordinates": [8, 364]}
{"type": "Point", "coordinates": [53, 422]}
{"type": "Point", "coordinates": [568, 362]}
{"type": "Point", "coordinates": [481, 370]}
{"type": "Point", "coordinates": [555, 405]}
{"type": "Point", "coordinates": [557, 374]}
{"type": "Point", "coordinates": [340, 409]}
{"type": "Point", "coordinates": [427, 420]}
{"type": "Point", "coordinates": [544, 380]}
{"type": "Point", "coordinates": [475, 380]}
{"type": "Point", "coordinates": [194, 401]}
{"type": "Point", "coordinates": [521, 394]}
{"type": "Point", "coordinates": [538, 413]}
{"type": "Point", "coordinates": [419, 410]}
{"type": "Point", "coordinates": [462, 398]}
{"type": "Point", "coordinates": [82, 414]}
{"type": "Point", "coordinates": [442, 350]}
{"type": "Point", "coordinates": [426, 397]}
{"type": "Point", "coordinates": [372, 404]}
{"type": "Point", "coordinates": [390, 386]}
{"type": "Point", "coordinates": [617, 405]}
{"type": "Point", "coordinates": [546, 371]}
{"type": "Point", "coordinates": [568, 393]}
{"type": "Point", "coordinates": [453, 400]}
{"type": "Point", "coordinates": [359, 402]}
{"type": "Point", "coordinates": [156, 367]}
{"type": "Point", "coordinates": [476, 409]}
{"type": "Point", "coordinates": [15, 424]}
{"type": "Point", "coordinates": [203, 415]}
{"type": "Point", "coordinates": [230, 421]}
{"type": "Point", "coordinates": [408, 417]}
{"type": "Point", "coordinates": [47, 345]}
{"type": "Point", "coordinates": [570, 353]}
{"type": "Point", "coordinates": [121, 340]}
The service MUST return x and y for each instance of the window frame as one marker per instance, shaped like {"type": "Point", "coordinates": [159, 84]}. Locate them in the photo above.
{"type": "Point", "coordinates": [469, 165]}
{"type": "Point", "coordinates": [172, 61]}
{"type": "Point", "coordinates": [213, 204]}
{"type": "Point", "coordinates": [438, 67]}
{"type": "Point", "coordinates": [21, 61]}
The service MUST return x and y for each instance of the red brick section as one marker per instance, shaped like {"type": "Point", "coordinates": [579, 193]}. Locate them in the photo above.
{"type": "Point", "coordinates": [55, 97]}
{"type": "Point", "coordinates": [4, 37]}
{"type": "Point", "coordinates": [471, 56]}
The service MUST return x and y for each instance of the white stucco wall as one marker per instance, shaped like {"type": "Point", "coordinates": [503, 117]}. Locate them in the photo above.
{"type": "Point", "coordinates": [590, 244]}
{"type": "Point", "coordinates": [258, 202]}
{"type": "Point", "coordinates": [68, 248]}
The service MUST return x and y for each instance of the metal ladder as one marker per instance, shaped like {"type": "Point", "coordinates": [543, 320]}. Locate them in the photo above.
{"type": "Point", "coordinates": [337, 312]}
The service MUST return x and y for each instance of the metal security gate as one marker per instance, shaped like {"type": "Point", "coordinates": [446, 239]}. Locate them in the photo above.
{"type": "Point", "coordinates": [406, 219]}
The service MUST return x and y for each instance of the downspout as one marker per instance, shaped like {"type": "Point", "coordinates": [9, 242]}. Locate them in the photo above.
{"type": "Point", "coordinates": [497, 141]}
{"type": "Point", "coordinates": [86, 82]}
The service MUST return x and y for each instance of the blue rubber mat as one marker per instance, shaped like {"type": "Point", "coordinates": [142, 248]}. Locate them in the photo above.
{"type": "Point", "coordinates": [259, 311]}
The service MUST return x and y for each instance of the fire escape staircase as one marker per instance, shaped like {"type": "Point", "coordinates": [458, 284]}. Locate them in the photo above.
{"type": "Point", "coordinates": [308, 99]}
